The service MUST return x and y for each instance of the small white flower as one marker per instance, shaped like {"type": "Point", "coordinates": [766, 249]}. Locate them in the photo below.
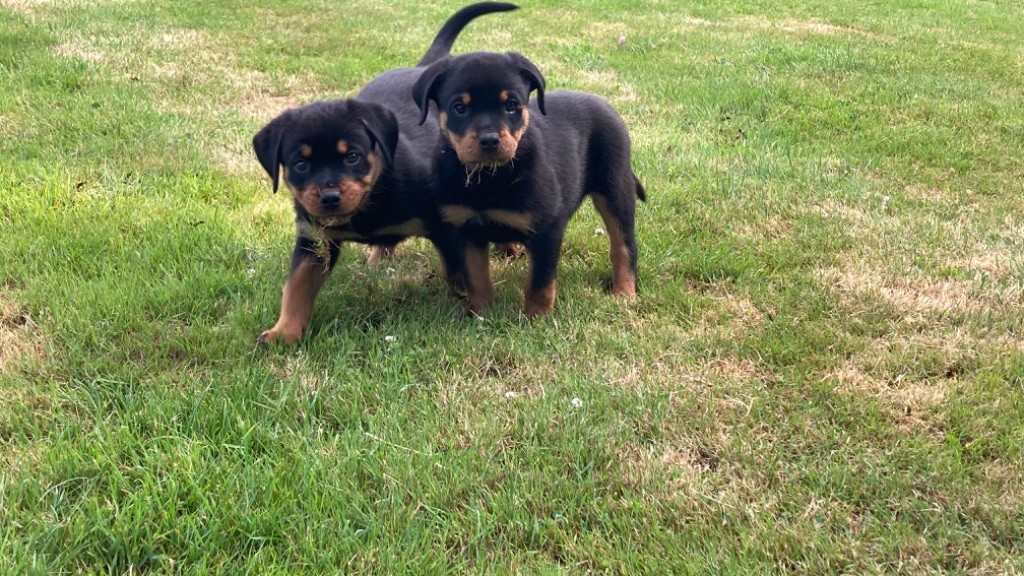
{"type": "Point", "coordinates": [885, 201]}
{"type": "Point", "coordinates": [390, 270]}
{"type": "Point", "coordinates": [479, 318]}
{"type": "Point", "coordinates": [389, 338]}
{"type": "Point", "coordinates": [577, 402]}
{"type": "Point", "coordinates": [252, 271]}
{"type": "Point", "coordinates": [510, 394]}
{"type": "Point", "coordinates": [598, 231]}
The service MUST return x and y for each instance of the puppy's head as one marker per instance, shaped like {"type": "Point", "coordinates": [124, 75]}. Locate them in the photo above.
{"type": "Point", "coordinates": [481, 100]}
{"type": "Point", "coordinates": [331, 152]}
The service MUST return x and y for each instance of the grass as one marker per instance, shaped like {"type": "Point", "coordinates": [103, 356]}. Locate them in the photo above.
{"type": "Point", "coordinates": [823, 373]}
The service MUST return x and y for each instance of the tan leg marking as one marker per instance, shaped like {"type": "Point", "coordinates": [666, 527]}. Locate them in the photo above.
{"type": "Point", "coordinates": [538, 302]}
{"type": "Point", "coordinates": [379, 253]}
{"type": "Point", "coordinates": [481, 290]}
{"type": "Point", "coordinates": [623, 279]}
{"type": "Point", "coordinates": [297, 302]}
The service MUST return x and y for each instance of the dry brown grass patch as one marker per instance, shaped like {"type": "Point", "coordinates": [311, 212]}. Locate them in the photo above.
{"type": "Point", "coordinates": [800, 27]}
{"type": "Point", "coordinates": [912, 376]}
{"type": "Point", "coordinates": [917, 297]}
{"type": "Point", "coordinates": [19, 340]}
{"type": "Point", "coordinates": [31, 6]}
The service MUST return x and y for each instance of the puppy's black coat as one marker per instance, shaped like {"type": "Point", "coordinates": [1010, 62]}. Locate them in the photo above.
{"type": "Point", "coordinates": [355, 174]}
{"type": "Point", "coordinates": [391, 89]}
{"type": "Point", "coordinates": [510, 170]}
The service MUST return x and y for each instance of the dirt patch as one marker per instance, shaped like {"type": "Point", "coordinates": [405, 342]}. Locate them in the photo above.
{"type": "Point", "coordinates": [19, 342]}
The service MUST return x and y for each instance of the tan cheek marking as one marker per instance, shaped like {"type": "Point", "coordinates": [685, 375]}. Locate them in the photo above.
{"type": "Point", "coordinates": [503, 96]}
{"type": "Point", "coordinates": [352, 195]}
{"type": "Point", "coordinates": [457, 215]}
{"type": "Point", "coordinates": [305, 150]}
{"type": "Point", "coordinates": [308, 197]}
{"type": "Point", "coordinates": [465, 146]}
{"type": "Point", "coordinates": [465, 98]}
{"type": "Point", "coordinates": [508, 142]}
{"type": "Point", "coordinates": [342, 147]}
{"type": "Point", "coordinates": [521, 221]}
{"type": "Point", "coordinates": [374, 172]}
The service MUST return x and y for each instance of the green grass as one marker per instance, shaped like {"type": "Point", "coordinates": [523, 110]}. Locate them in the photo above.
{"type": "Point", "coordinates": [823, 373]}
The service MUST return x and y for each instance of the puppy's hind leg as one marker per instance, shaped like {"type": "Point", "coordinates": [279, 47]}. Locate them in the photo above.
{"type": "Point", "coordinates": [618, 212]}
{"type": "Point", "coordinates": [381, 252]}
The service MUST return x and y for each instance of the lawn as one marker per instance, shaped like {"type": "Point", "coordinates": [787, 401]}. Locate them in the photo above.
{"type": "Point", "coordinates": [823, 373]}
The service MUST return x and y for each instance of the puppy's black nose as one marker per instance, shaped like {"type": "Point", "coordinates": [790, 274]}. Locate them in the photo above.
{"type": "Point", "coordinates": [488, 141]}
{"type": "Point", "coordinates": [330, 198]}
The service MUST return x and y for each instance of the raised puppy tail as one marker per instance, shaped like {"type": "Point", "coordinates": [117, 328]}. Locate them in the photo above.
{"type": "Point", "coordinates": [640, 190]}
{"type": "Point", "coordinates": [442, 44]}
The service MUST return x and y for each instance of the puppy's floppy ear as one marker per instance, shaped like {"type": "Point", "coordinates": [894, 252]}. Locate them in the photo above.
{"type": "Point", "coordinates": [382, 126]}
{"type": "Point", "coordinates": [425, 88]}
{"type": "Point", "coordinates": [532, 75]}
{"type": "Point", "coordinates": [267, 144]}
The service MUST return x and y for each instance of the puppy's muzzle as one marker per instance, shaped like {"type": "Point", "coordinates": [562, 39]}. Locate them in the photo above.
{"type": "Point", "coordinates": [489, 142]}
{"type": "Point", "coordinates": [330, 198]}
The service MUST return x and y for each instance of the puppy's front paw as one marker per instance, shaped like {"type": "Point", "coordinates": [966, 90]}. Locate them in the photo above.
{"type": "Point", "coordinates": [279, 334]}
{"type": "Point", "coordinates": [539, 302]}
{"type": "Point", "coordinates": [477, 303]}
{"type": "Point", "coordinates": [624, 291]}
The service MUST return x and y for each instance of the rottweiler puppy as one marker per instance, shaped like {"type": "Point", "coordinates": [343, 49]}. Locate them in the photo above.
{"type": "Point", "coordinates": [356, 175]}
{"type": "Point", "coordinates": [514, 171]}
{"type": "Point", "coordinates": [391, 90]}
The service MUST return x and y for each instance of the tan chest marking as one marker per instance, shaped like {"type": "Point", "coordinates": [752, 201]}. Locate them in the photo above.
{"type": "Point", "coordinates": [521, 221]}
{"type": "Point", "coordinates": [456, 214]}
{"type": "Point", "coordinates": [412, 227]}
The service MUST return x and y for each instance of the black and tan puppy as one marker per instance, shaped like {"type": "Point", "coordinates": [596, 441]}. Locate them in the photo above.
{"type": "Point", "coordinates": [356, 175]}
{"type": "Point", "coordinates": [513, 171]}
{"type": "Point", "coordinates": [391, 90]}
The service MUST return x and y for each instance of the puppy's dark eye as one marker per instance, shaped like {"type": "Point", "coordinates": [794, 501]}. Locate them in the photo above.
{"type": "Point", "coordinates": [353, 158]}
{"type": "Point", "coordinates": [300, 166]}
{"type": "Point", "coordinates": [459, 108]}
{"type": "Point", "coordinates": [511, 106]}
